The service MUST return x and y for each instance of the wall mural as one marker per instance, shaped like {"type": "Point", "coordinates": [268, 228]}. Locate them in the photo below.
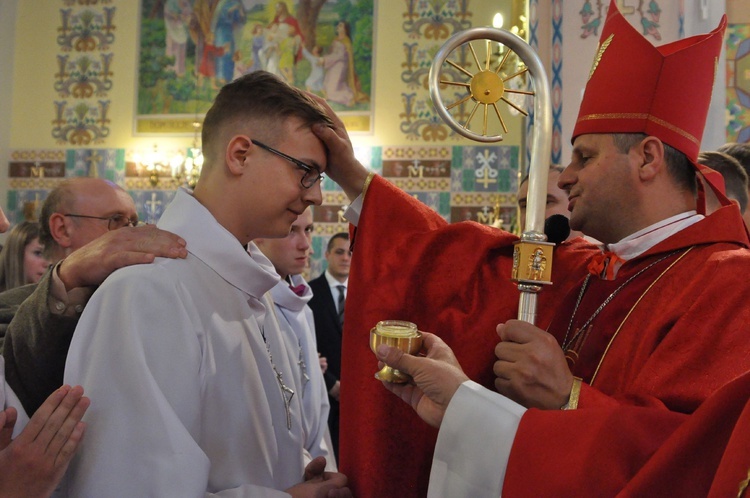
{"type": "Point", "coordinates": [190, 48]}
{"type": "Point", "coordinates": [84, 76]}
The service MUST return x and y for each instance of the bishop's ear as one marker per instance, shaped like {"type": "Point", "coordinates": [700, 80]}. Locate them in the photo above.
{"type": "Point", "coordinates": [651, 155]}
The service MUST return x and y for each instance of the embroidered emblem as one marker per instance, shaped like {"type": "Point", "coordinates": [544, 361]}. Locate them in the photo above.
{"type": "Point", "coordinates": [600, 53]}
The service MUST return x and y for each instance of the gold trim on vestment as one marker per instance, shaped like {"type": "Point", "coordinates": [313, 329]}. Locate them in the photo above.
{"type": "Point", "coordinates": [631, 311]}
{"type": "Point", "coordinates": [575, 394]}
{"type": "Point", "coordinates": [640, 115]}
{"type": "Point", "coordinates": [367, 184]}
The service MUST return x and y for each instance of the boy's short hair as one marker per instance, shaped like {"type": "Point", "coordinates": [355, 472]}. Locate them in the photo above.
{"type": "Point", "coordinates": [259, 96]}
{"type": "Point", "coordinates": [735, 177]}
{"type": "Point", "coordinates": [739, 151]}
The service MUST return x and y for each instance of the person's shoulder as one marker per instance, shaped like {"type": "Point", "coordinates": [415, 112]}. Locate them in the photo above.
{"type": "Point", "coordinates": [318, 281]}
{"type": "Point", "coordinates": [163, 271]}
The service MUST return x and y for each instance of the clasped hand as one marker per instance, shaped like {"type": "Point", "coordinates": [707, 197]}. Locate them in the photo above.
{"type": "Point", "coordinates": [321, 484]}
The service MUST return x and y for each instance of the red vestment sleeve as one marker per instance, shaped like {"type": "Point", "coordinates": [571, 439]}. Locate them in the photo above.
{"type": "Point", "coordinates": [631, 451]}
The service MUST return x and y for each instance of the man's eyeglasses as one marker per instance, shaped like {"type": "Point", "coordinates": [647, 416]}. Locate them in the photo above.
{"type": "Point", "coordinates": [114, 222]}
{"type": "Point", "coordinates": [311, 175]}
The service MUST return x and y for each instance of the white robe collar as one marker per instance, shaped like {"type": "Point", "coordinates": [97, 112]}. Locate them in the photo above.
{"type": "Point", "coordinates": [286, 298]}
{"type": "Point", "coordinates": [248, 270]}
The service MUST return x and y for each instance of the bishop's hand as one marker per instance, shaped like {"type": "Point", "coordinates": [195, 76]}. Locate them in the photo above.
{"type": "Point", "coordinates": [343, 168]}
{"type": "Point", "coordinates": [435, 377]}
{"type": "Point", "coordinates": [531, 368]}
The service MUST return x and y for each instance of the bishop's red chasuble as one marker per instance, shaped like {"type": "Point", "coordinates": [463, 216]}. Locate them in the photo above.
{"type": "Point", "coordinates": [669, 344]}
{"type": "Point", "coordinates": [635, 452]}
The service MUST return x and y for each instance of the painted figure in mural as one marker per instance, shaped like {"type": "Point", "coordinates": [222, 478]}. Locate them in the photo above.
{"type": "Point", "coordinates": [340, 83]}
{"type": "Point", "coordinates": [257, 45]}
{"type": "Point", "coordinates": [290, 40]}
{"type": "Point", "coordinates": [314, 82]}
{"type": "Point", "coordinates": [270, 54]}
{"type": "Point", "coordinates": [285, 18]}
{"type": "Point", "coordinates": [200, 27]}
{"type": "Point", "coordinates": [202, 32]}
{"type": "Point", "coordinates": [289, 45]}
{"type": "Point", "coordinates": [226, 26]}
{"type": "Point", "coordinates": [177, 15]}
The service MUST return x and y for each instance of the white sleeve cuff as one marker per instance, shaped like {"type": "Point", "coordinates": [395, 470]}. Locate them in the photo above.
{"type": "Point", "coordinates": [353, 211]}
{"type": "Point", "coordinates": [474, 443]}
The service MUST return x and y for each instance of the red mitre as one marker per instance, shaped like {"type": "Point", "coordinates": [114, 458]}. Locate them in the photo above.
{"type": "Point", "coordinates": [664, 91]}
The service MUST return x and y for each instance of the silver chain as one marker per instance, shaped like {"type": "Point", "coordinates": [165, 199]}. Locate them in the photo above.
{"type": "Point", "coordinates": [565, 343]}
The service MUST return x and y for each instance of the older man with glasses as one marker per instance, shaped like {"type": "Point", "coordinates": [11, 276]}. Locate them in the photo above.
{"type": "Point", "coordinates": [88, 230]}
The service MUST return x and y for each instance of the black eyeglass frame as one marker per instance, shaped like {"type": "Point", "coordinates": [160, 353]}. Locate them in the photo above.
{"type": "Point", "coordinates": [110, 220]}
{"type": "Point", "coordinates": [311, 175]}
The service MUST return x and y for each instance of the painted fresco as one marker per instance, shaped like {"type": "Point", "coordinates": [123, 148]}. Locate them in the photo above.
{"type": "Point", "coordinates": [190, 48]}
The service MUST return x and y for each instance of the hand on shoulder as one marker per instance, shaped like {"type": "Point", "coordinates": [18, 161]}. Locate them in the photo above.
{"type": "Point", "coordinates": [94, 262]}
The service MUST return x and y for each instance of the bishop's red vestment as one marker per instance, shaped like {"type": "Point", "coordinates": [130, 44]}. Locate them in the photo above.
{"type": "Point", "coordinates": [635, 452]}
{"type": "Point", "coordinates": [683, 339]}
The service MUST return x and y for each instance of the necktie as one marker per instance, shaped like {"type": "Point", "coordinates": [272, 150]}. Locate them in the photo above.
{"type": "Point", "coordinates": [342, 301]}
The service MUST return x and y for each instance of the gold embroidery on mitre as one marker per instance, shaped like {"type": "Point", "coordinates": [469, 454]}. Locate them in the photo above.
{"type": "Point", "coordinates": [602, 47]}
{"type": "Point", "coordinates": [640, 115]}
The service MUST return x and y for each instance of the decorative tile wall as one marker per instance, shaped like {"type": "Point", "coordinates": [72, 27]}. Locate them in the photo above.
{"type": "Point", "coordinates": [84, 75]}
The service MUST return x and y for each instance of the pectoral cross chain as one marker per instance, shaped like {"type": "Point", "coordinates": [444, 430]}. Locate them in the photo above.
{"type": "Point", "coordinates": [575, 344]}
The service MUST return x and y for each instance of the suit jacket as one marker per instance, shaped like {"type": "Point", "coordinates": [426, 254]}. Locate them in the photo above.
{"type": "Point", "coordinates": [327, 327]}
{"type": "Point", "coordinates": [36, 346]}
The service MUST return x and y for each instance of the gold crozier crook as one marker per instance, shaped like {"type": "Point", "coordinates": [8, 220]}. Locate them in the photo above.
{"type": "Point", "coordinates": [532, 257]}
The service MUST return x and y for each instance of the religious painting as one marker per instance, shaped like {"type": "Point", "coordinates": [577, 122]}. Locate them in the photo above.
{"type": "Point", "coordinates": [189, 49]}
